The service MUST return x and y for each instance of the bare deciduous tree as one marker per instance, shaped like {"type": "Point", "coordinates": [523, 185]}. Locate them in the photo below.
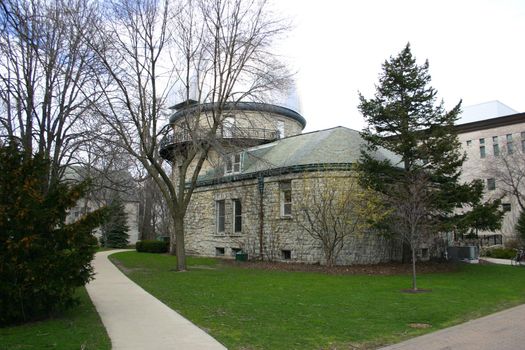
{"type": "Point", "coordinates": [217, 51]}
{"type": "Point", "coordinates": [411, 216]}
{"type": "Point", "coordinates": [334, 209]}
{"type": "Point", "coordinates": [508, 170]}
{"type": "Point", "coordinates": [46, 76]}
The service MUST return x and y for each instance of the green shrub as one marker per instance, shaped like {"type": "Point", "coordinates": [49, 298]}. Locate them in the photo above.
{"type": "Point", "coordinates": [501, 253]}
{"type": "Point", "coordinates": [152, 246]}
{"type": "Point", "coordinates": [42, 260]}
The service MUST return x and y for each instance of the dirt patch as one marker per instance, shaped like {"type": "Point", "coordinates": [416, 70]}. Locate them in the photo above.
{"type": "Point", "coordinates": [419, 325]}
{"type": "Point", "coordinates": [202, 267]}
{"type": "Point", "coordinates": [378, 269]}
{"type": "Point", "coordinates": [416, 291]}
{"type": "Point", "coordinates": [128, 270]}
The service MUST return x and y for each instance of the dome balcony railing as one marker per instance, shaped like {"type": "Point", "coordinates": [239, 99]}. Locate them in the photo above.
{"type": "Point", "coordinates": [251, 136]}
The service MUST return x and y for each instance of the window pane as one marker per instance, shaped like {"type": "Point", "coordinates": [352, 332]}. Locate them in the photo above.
{"type": "Point", "coordinates": [482, 151]}
{"type": "Point", "coordinates": [510, 148]}
{"type": "Point", "coordinates": [491, 184]}
{"type": "Point", "coordinates": [287, 209]}
{"type": "Point", "coordinates": [237, 215]}
{"type": "Point", "coordinates": [287, 196]}
{"type": "Point", "coordinates": [509, 137]}
{"type": "Point", "coordinates": [481, 141]}
{"type": "Point", "coordinates": [495, 139]}
{"type": "Point", "coordinates": [229, 165]}
{"type": "Point", "coordinates": [220, 216]}
{"type": "Point", "coordinates": [496, 149]}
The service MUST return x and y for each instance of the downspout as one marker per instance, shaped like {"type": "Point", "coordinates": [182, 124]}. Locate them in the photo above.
{"type": "Point", "coordinates": [260, 187]}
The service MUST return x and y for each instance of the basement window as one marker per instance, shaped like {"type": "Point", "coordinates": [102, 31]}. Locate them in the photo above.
{"type": "Point", "coordinates": [219, 251]}
{"type": "Point", "coordinates": [286, 254]}
{"type": "Point", "coordinates": [506, 207]}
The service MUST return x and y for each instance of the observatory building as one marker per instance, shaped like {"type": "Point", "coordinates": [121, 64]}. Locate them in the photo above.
{"type": "Point", "coordinates": [261, 169]}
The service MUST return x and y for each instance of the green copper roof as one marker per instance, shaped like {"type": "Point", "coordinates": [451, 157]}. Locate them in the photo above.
{"type": "Point", "coordinates": [331, 146]}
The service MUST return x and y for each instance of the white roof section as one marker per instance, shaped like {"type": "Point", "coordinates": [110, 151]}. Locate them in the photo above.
{"type": "Point", "coordinates": [483, 111]}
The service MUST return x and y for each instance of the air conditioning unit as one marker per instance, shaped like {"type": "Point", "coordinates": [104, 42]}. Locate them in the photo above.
{"type": "Point", "coordinates": [470, 252]}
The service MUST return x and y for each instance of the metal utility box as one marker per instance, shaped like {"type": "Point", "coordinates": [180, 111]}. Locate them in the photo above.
{"type": "Point", "coordinates": [470, 252]}
{"type": "Point", "coordinates": [240, 256]}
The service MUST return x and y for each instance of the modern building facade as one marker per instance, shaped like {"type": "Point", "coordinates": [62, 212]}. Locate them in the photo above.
{"type": "Point", "coordinates": [487, 136]}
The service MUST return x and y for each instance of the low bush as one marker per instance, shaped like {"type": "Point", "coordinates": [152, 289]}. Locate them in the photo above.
{"type": "Point", "coordinates": [152, 246]}
{"type": "Point", "coordinates": [500, 253]}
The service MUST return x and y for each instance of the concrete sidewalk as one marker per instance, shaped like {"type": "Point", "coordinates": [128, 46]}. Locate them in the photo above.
{"type": "Point", "coordinates": [135, 320]}
{"type": "Point", "coordinates": [496, 261]}
{"type": "Point", "coordinates": [504, 330]}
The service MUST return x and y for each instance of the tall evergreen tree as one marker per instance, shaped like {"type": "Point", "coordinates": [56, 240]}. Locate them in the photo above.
{"type": "Point", "coordinates": [423, 189]}
{"type": "Point", "coordinates": [115, 229]}
{"type": "Point", "coordinates": [43, 260]}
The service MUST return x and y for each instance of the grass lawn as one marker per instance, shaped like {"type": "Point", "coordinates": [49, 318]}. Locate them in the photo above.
{"type": "Point", "coordinates": [78, 328]}
{"type": "Point", "coordinates": [260, 309]}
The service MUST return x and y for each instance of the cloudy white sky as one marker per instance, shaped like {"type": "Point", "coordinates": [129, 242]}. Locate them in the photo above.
{"type": "Point", "coordinates": [476, 51]}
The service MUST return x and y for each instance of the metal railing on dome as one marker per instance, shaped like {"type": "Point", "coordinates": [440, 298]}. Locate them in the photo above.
{"type": "Point", "coordinates": [181, 137]}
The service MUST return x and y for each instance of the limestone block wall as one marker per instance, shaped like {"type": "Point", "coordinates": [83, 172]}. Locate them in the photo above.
{"type": "Point", "coordinates": [284, 239]}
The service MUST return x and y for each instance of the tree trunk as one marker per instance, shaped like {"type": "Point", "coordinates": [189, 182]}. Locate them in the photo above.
{"type": "Point", "coordinates": [414, 282]}
{"type": "Point", "coordinates": [180, 251]}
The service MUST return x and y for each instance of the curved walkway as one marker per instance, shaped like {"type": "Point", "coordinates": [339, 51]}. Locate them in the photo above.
{"type": "Point", "coordinates": [135, 320]}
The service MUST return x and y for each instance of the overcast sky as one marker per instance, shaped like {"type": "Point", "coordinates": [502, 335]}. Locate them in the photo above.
{"type": "Point", "coordinates": [476, 51]}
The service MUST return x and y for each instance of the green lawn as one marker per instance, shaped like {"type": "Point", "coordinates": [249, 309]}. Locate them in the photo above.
{"type": "Point", "coordinates": [257, 309]}
{"type": "Point", "coordinates": [78, 328]}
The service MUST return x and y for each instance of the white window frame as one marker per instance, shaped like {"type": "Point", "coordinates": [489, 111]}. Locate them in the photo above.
{"type": "Point", "coordinates": [286, 205]}
{"type": "Point", "coordinates": [233, 163]}
{"type": "Point", "coordinates": [220, 213]}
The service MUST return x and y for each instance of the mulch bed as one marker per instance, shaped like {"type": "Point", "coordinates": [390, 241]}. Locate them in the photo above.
{"type": "Point", "coordinates": [379, 269]}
